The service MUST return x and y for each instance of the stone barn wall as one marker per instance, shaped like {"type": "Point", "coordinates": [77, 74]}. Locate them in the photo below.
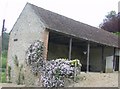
{"type": "Point", "coordinates": [26, 30]}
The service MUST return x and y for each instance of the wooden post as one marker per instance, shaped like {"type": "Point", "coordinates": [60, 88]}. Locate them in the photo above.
{"type": "Point", "coordinates": [88, 56]}
{"type": "Point", "coordinates": [46, 39]}
{"type": "Point", "coordinates": [114, 60]}
{"type": "Point", "coordinates": [70, 48]}
{"type": "Point", "coordinates": [102, 62]}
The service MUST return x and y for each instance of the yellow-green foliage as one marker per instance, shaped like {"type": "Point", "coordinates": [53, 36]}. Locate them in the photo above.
{"type": "Point", "coordinates": [75, 62]}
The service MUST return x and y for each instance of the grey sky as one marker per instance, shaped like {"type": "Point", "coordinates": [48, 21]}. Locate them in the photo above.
{"type": "Point", "coordinates": [91, 12]}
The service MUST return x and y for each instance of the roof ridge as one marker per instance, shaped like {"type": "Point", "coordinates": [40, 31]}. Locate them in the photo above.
{"type": "Point", "coordinates": [57, 22]}
{"type": "Point", "coordinates": [69, 18]}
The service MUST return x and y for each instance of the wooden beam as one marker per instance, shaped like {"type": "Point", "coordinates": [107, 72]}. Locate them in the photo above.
{"type": "Point", "coordinates": [88, 56]}
{"type": "Point", "coordinates": [70, 48]}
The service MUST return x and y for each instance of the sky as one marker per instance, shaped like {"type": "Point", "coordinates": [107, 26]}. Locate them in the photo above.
{"type": "Point", "coordinates": [91, 12]}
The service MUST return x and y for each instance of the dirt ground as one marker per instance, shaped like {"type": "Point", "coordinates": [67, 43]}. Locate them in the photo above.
{"type": "Point", "coordinates": [9, 85]}
{"type": "Point", "coordinates": [88, 80]}
{"type": "Point", "coordinates": [97, 80]}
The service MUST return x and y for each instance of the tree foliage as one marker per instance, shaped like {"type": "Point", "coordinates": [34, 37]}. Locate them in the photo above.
{"type": "Point", "coordinates": [111, 22]}
{"type": "Point", "coordinates": [5, 41]}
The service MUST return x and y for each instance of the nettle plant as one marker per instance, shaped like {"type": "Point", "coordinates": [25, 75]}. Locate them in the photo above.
{"type": "Point", "coordinates": [52, 72]}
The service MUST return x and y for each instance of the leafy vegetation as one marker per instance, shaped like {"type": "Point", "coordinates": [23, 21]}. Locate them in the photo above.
{"type": "Point", "coordinates": [4, 59]}
{"type": "Point", "coordinates": [53, 72]}
{"type": "Point", "coordinates": [5, 41]}
{"type": "Point", "coordinates": [111, 22]}
{"type": "Point", "coordinates": [3, 77]}
{"type": "Point", "coordinates": [117, 33]}
{"type": "Point", "coordinates": [4, 56]}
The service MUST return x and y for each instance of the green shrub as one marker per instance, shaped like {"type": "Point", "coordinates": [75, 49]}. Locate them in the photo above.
{"type": "Point", "coordinates": [4, 59]}
{"type": "Point", "coordinates": [3, 69]}
{"type": "Point", "coordinates": [3, 77]}
{"type": "Point", "coordinates": [4, 53]}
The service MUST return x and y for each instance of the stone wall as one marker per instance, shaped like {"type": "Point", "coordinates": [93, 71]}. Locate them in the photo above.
{"type": "Point", "coordinates": [26, 30]}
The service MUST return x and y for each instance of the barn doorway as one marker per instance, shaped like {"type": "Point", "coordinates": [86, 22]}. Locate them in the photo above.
{"type": "Point", "coordinates": [58, 47]}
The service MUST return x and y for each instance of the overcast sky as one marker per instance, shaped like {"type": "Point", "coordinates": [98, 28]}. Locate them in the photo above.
{"type": "Point", "coordinates": [91, 12]}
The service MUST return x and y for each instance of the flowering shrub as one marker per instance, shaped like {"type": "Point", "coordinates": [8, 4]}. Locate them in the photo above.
{"type": "Point", "coordinates": [52, 72]}
{"type": "Point", "coordinates": [34, 56]}
{"type": "Point", "coordinates": [55, 71]}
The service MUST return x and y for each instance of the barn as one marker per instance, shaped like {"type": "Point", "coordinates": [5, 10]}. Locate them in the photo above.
{"type": "Point", "coordinates": [97, 49]}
